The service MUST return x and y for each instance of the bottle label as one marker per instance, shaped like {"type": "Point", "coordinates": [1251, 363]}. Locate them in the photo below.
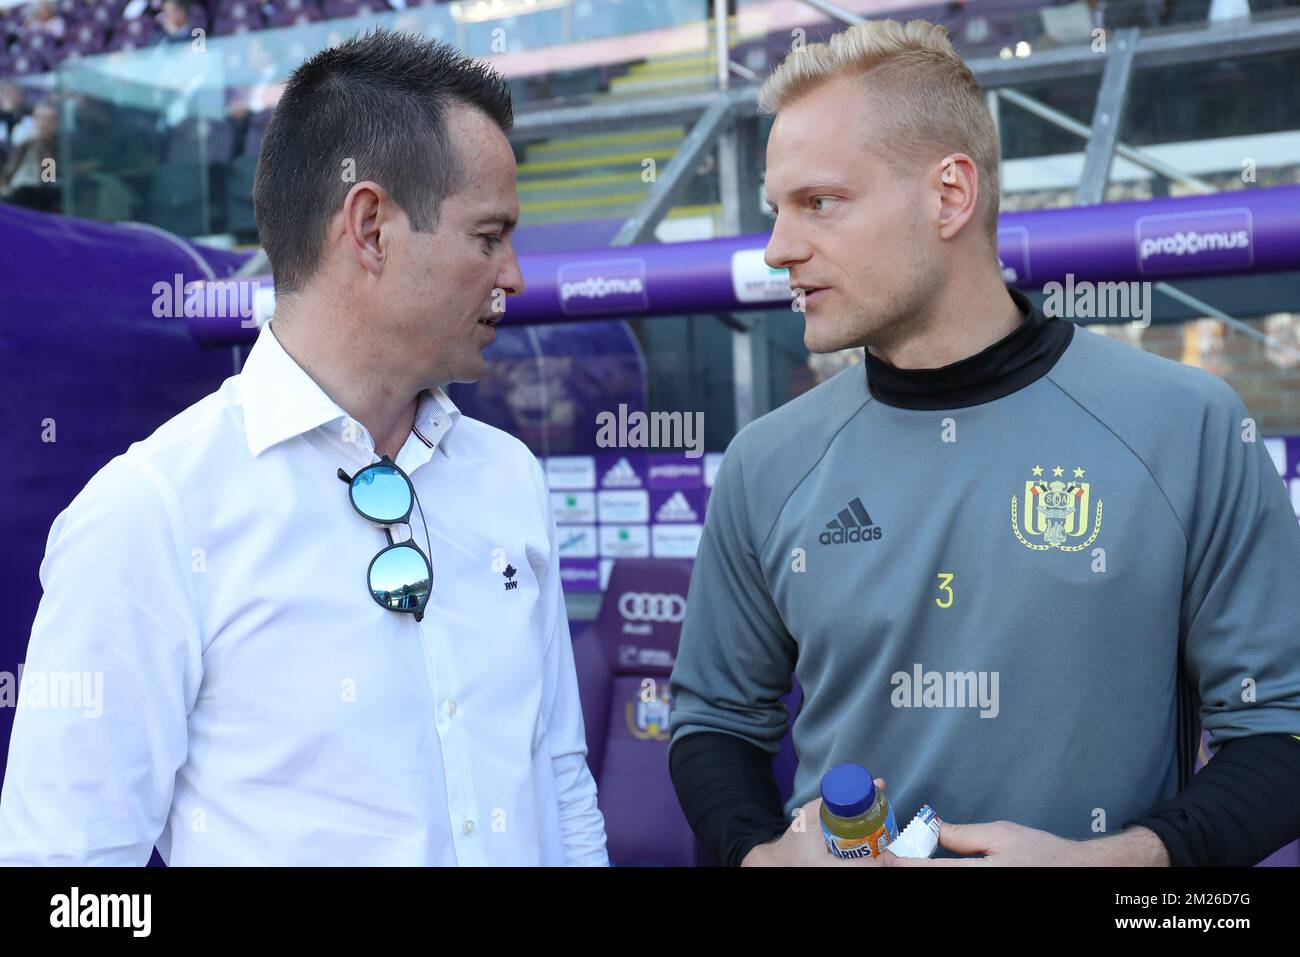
{"type": "Point", "coordinates": [870, 846]}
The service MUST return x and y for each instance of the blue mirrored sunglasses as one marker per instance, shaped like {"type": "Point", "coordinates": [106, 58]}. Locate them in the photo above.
{"type": "Point", "coordinates": [400, 577]}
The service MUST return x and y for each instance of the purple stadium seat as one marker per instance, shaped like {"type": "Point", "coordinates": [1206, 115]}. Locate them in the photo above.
{"type": "Point", "coordinates": [54, 56]}
{"type": "Point", "coordinates": [25, 63]}
{"type": "Point", "coordinates": [634, 638]}
{"type": "Point", "coordinates": [593, 689]}
{"type": "Point", "coordinates": [99, 10]}
{"type": "Point", "coordinates": [72, 11]}
{"type": "Point", "coordinates": [237, 16]}
{"type": "Point", "coordinates": [107, 15]}
{"type": "Point", "coordinates": [85, 39]}
{"type": "Point", "coordinates": [38, 43]}
{"type": "Point", "coordinates": [134, 34]}
{"type": "Point", "coordinates": [624, 658]}
{"type": "Point", "coordinates": [287, 13]}
{"type": "Point", "coordinates": [353, 8]}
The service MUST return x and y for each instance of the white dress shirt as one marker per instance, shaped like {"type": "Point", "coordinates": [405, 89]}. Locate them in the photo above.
{"type": "Point", "coordinates": [258, 706]}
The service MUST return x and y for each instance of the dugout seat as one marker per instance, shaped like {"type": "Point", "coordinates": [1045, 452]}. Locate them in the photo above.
{"type": "Point", "coordinates": [624, 659]}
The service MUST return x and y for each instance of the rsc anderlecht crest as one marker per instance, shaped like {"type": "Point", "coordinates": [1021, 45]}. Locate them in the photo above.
{"type": "Point", "coordinates": [1057, 512]}
{"type": "Point", "coordinates": [648, 720]}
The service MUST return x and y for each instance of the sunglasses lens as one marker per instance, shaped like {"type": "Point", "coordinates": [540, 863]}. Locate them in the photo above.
{"type": "Point", "coordinates": [400, 579]}
{"type": "Point", "coordinates": [382, 494]}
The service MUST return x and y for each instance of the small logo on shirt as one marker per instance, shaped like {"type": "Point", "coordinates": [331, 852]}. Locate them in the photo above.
{"type": "Point", "coordinates": [499, 564]}
{"type": "Point", "coordinates": [1056, 512]}
{"type": "Point", "coordinates": [852, 524]}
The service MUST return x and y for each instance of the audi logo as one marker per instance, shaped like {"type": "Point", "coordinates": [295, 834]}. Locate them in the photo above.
{"type": "Point", "coordinates": [651, 606]}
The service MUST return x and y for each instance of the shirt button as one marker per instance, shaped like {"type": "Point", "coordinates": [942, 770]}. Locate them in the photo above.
{"type": "Point", "coordinates": [469, 827]}
{"type": "Point", "coordinates": [451, 705]}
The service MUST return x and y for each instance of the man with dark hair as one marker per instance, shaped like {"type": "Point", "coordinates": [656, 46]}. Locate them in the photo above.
{"type": "Point", "coordinates": [295, 669]}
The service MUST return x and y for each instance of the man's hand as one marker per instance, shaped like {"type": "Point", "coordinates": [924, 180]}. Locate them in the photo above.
{"type": "Point", "coordinates": [802, 845]}
{"type": "Point", "coordinates": [1014, 845]}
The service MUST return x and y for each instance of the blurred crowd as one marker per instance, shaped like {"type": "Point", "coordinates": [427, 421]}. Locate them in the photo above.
{"type": "Point", "coordinates": [185, 159]}
{"type": "Point", "coordinates": [35, 37]}
{"type": "Point", "coordinates": [29, 138]}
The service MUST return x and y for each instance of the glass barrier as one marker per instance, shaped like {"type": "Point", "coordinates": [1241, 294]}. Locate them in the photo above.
{"type": "Point", "coordinates": [140, 137]}
{"type": "Point", "coordinates": [170, 135]}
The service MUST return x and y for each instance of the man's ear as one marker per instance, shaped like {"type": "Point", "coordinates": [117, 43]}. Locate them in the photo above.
{"type": "Point", "coordinates": [367, 223]}
{"type": "Point", "coordinates": [956, 179]}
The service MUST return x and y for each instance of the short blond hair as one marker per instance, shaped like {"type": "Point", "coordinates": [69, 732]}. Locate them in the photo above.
{"type": "Point", "coordinates": [927, 95]}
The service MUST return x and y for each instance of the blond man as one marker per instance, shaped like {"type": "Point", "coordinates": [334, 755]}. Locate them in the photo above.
{"type": "Point", "coordinates": [1016, 566]}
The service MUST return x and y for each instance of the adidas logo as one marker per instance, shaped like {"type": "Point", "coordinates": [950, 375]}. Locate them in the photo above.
{"type": "Point", "coordinates": [852, 524]}
{"type": "Point", "coordinates": [621, 475]}
{"type": "Point", "coordinates": [676, 509]}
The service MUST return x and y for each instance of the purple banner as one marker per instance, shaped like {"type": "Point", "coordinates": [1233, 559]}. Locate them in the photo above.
{"type": "Point", "coordinates": [1214, 240]}
{"type": "Point", "coordinates": [674, 470]}
{"type": "Point", "coordinates": [602, 287]}
{"type": "Point", "coordinates": [1254, 230]}
{"type": "Point", "coordinates": [580, 574]}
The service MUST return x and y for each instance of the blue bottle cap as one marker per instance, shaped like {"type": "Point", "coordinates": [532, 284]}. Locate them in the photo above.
{"type": "Point", "coordinates": [848, 790]}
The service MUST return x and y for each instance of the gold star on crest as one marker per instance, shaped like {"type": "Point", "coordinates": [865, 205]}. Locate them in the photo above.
{"type": "Point", "coordinates": [1078, 473]}
{"type": "Point", "coordinates": [1058, 471]}
{"type": "Point", "coordinates": [1038, 470]}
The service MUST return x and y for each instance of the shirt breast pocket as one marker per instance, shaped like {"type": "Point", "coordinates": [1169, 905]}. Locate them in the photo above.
{"type": "Point", "coordinates": [490, 597]}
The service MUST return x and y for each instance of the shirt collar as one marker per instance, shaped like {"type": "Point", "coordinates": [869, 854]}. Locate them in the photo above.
{"type": "Point", "coordinates": [282, 401]}
{"type": "Point", "coordinates": [1016, 361]}
{"type": "Point", "coordinates": [434, 417]}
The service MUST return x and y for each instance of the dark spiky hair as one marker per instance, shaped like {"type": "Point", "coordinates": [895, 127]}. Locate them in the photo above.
{"type": "Point", "coordinates": [380, 101]}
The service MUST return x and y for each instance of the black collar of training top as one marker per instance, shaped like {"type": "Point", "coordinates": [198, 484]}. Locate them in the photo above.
{"type": "Point", "coordinates": [1005, 367]}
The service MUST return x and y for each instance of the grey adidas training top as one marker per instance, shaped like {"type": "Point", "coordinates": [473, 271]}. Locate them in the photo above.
{"type": "Point", "coordinates": [1017, 609]}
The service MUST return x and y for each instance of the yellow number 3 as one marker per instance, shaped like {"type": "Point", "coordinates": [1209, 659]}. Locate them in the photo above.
{"type": "Point", "coordinates": [945, 581]}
